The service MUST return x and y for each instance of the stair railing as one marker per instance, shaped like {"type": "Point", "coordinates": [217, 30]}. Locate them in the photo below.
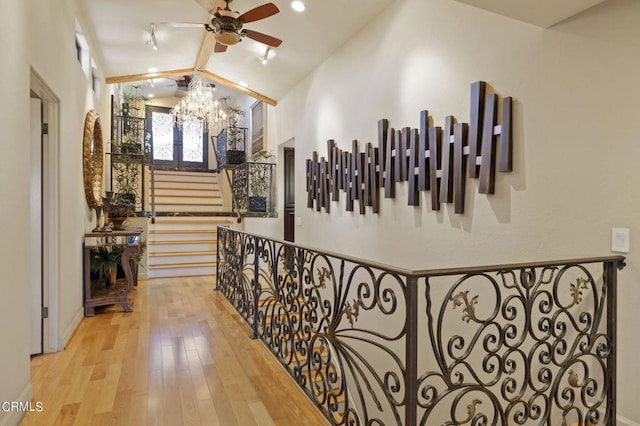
{"type": "Point", "coordinates": [235, 206]}
{"type": "Point", "coordinates": [376, 344]}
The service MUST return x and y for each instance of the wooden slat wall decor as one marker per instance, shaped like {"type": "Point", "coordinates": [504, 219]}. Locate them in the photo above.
{"type": "Point", "coordinates": [430, 158]}
{"type": "Point", "coordinates": [475, 132]}
{"type": "Point", "coordinates": [446, 180]}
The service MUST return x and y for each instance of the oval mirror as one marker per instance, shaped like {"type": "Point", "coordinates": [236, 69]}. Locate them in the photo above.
{"type": "Point", "coordinates": [92, 159]}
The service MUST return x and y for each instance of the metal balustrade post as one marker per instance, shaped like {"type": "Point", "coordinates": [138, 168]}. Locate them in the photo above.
{"type": "Point", "coordinates": [610, 284]}
{"type": "Point", "coordinates": [256, 291]}
{"type": "Point", "coordinates": [218, 236]}
{"type": "Point", "coordinates": [411, 371]}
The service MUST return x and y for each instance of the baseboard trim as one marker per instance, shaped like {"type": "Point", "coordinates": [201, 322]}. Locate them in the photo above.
{"type": "Point", "coordinates": [143, 276]}
{"type": "Point", "coordinates": [68, 333]}
{"type": "Point", "coordinates": [14, 417]}
{"type": "Point", "coordinates": [623, 421]}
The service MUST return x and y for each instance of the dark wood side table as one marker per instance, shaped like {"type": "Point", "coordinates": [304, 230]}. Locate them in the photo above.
{"type": "Point", "coordinates": [96, 292]}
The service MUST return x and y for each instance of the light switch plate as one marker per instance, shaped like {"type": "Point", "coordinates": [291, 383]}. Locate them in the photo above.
{"type": "Point", "coordinates": [620, 240]}
{"type": "Point", "coordinates": [298, 221]}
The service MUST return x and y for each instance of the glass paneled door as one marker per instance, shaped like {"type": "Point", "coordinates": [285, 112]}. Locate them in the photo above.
{"type": "Point", "coordinates": [173, 147]}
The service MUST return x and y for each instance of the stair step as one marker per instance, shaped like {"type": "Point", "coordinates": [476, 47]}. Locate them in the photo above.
{"type": "Point", "coordinates": [178, 220]}
{"type": "Point", "coordinates": [210, 201]}
{"type": "Point", "coordinates": [191, 259]}
{"type": "Point", "coordinates": [188, 192]}
{"type": "Point", "coordinates": [161, 172]}
{"type": "Point", "coordinates": [182, 177]}
{"type": "Point", "coordinates": [200, 186]}
{"type": "Point", "coordinates": [185, 272]}
{"type": "Point", "coordinates": [184, 265]}
{"type": "Point", "coordinates": [188, 208]}
{"type": "Point", "coordinates": [171, 242]}
{"type": "Point", "coordinates": [183, 231]}
{"type": "Point", "coordinates": [180, 253]}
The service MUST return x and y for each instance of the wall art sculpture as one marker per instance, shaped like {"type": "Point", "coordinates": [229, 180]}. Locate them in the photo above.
{"type": "Point", "coordinates": [431, 159]}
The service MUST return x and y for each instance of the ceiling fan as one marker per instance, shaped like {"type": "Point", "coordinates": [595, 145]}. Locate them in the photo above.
{"type": "Point", "coordinates": [226, 25]}
{"type": "Point", "coordinates": [181, 84]}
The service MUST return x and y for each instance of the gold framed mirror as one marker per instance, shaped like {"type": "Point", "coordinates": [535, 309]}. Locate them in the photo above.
{"type": "Point", "coordinates": [92, 159]}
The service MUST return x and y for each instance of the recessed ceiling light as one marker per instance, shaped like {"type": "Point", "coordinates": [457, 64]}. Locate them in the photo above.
{"type": "Point", "coordinates": [151, 95]}
{"type": "Point", "coordinates": [153, 69]}
{"type": "Point", "coordinates": [243, 84]}
{"type": "Point", "coordinates": [298, 6]}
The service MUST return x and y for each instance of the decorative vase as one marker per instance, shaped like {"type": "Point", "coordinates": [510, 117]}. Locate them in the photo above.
{"type": "Point", "coordinates": [98, 227]}
{"type": "Point", "coordinates": [119, 214]}
{"type": "Point", "coordinates": [110, 276]}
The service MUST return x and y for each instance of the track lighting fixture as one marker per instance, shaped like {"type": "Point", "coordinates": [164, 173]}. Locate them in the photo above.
{"type": "Point", "coordinates": [265, 58]}
{"type": "Point", "coordinates": [152, 39]}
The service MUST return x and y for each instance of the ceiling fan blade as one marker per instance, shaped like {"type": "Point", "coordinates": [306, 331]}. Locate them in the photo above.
{"type": "Point", "coordinates": [220, 48]}
{"type": "Point", "coordinates": [259, 12]}
{"type": "Point", "coordinates": [263, 38]}
{"type": "Point", "coordinates": [182, 24]}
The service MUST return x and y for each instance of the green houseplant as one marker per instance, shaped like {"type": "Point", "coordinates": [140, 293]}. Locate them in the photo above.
{"type": "Point", "coordinates": [105, 261]}
{"type": "Point", "coordinates": [119, 207]}
{"type": "Point", "coordinates": [260, 172]}
{"type": "Point", "coordinates": [232, 139]}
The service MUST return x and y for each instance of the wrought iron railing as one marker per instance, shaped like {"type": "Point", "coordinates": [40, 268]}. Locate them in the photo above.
{"type": "Point", "coordinates": [374, 344]}
{"type": "Point", "coordinates": [253, 186]}
{"type": "Point", "coordinates": [230, 146]}
{"type": "Point", "coordinates": [127, 160]}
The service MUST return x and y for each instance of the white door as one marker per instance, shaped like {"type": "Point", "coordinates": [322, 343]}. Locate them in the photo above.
{"type": "Point", "coordinates": [35, 226]}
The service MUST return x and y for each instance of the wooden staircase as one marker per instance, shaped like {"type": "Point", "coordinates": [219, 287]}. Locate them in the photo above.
{"type": "Point", "coordinates": [192, 192]}
{"type": "Point", "coordinates": [182, 241]}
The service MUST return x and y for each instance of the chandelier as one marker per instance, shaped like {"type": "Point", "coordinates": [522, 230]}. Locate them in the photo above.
{"type": "Point", "coordinates": [199, 105]}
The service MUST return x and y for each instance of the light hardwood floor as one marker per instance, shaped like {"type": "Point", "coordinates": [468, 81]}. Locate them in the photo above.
{"type": "Point", "coordinates": [183, 357]}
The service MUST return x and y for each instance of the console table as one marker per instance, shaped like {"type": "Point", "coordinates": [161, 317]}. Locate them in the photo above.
{"type": "Point", "coordinates": [97, 292]}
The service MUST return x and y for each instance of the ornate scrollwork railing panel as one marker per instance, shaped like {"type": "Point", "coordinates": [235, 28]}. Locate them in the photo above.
{"type": "Point", "coordinates": [518, 346]}
{"type": "Point", "coordinates": [236, 258]}
{"type": "Point", "coordinates": [240, 186]}
{"type": "Point", "coordinates": [528, 344]}
{"type": "Point", "coordinates": [338, 328]}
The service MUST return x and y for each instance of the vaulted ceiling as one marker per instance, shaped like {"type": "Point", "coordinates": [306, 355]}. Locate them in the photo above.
{"type": "Point", "coordinates": [122, 30]}
{"type": "Point", "coordinates": [543, 13]}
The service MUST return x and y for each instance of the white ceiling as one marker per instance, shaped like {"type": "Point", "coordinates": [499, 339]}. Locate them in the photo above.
{"type": "Point", "coordinates": [543, 13]}
{"type": "Point", "coordinates": [121, 29]}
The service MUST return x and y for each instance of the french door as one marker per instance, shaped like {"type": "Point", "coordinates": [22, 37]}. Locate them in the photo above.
{"type": "Point", "coordinates": [172, 147]}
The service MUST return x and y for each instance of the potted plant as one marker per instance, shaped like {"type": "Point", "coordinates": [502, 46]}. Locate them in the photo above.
{"type": "Point", "coordinates": [119, 207]}
{"type": "Point", "coordinates": [130, 120]}
{"type": "Point", "coordinates": [260, 177]}
{"type": "Point", "coordinates": [107, 261]}
{"type": "Point", "coordinates": [231, 139]}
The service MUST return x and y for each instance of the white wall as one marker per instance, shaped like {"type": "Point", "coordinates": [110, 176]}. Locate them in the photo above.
{"type": "Point", "coordinates": [576, 129]}
{"type": "Point", "coordinates": [52, 55]}
{"type": "Point", "coordinates": [38, 34]}
{"type": "Point", "coordinates": [14, 225]}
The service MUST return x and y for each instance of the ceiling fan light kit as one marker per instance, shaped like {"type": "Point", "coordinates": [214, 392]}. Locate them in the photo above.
{"type": "Point", "coordinates": [227, 29]}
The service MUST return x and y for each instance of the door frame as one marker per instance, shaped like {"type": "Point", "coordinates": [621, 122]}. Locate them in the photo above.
{"type": "Point", "coordinates": [177, 163]}
{"type": "Point", "coordinates": [51, 205]}
{"type": "Point", "coordinates": [289, 176]}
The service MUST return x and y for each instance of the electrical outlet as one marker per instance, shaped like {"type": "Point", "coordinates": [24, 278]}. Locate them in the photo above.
{"type": "Point", "coordinates": [620, 240]}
